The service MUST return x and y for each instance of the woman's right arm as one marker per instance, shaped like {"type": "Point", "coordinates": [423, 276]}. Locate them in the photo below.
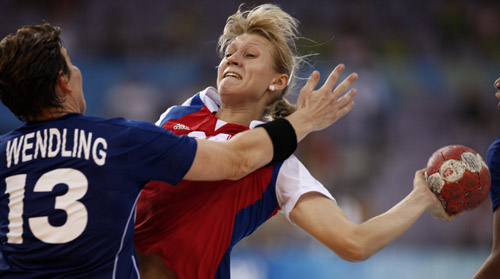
{"type": "Point", "coordinates": [250, 150]}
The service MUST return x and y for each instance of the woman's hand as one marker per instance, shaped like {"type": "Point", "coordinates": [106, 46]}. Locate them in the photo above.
{"type": "Point", "coordinates": [435, 207]}
{"type": "Point", "coordinates": [318, 109]}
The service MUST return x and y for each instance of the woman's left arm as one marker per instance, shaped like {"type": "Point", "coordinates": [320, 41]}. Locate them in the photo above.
{"type": "Point", "coordinates": [325, 221]}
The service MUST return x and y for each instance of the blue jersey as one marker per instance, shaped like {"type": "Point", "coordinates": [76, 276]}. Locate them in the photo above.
{"type": "Point", "coordinates": [69, 192]}
{"type": "Point", "coordinates": [493, 162]}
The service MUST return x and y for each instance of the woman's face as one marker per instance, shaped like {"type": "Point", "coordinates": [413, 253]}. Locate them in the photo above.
{"type": "Point", "coordinates": [247, 69]}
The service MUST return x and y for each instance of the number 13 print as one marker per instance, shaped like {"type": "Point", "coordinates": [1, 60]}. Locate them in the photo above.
{"type": "Point", "coordinates": [77, 214]}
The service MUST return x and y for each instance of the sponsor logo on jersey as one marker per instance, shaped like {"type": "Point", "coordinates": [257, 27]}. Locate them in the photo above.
{"type": "Point", "coordinates": [181, 127]}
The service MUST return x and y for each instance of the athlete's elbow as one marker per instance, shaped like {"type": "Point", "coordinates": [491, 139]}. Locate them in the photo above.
{"type": "Point", "coordinates": [357, 256]}
{"type": "Point", "coordinates": [243, 170]}
{"type": "Point", "coordinates": [241, 167]}
{"type": "Point", "coordinates": [353, 251]}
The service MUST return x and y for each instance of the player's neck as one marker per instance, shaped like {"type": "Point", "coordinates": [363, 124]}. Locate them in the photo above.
{"type": "Point", "coordinates": [241, 116]}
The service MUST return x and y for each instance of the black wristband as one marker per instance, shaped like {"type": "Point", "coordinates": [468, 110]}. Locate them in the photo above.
{"type": "Point", "coordinates": [283, 137]}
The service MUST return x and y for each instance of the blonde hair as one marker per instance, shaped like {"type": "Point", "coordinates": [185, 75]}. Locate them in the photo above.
{"type": "Point", "coordinates": [280, 28]}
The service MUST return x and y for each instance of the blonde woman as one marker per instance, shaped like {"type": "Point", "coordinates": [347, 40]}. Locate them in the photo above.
{"type": "Point", "coordinates": [189, 230]}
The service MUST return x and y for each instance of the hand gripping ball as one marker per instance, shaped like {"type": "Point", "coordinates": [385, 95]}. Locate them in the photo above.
{"type": "Point", "coordinates": [459, 177]}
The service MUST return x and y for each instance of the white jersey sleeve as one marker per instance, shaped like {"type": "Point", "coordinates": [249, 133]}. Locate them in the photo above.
{"type": "Point", "coordinates": [294, 180]}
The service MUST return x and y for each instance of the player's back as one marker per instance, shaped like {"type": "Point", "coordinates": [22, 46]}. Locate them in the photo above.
{"type": "Point", "coordinates": [70, 190]}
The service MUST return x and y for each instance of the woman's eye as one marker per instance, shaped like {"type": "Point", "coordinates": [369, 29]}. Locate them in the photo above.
{"type": "Point", "coordinates": [227, 55]}
{"type": "Point", "coordinates": [250, 55]}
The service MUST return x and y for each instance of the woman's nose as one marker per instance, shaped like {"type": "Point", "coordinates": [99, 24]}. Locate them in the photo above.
{"type": "Point", "coordinates": [233, 60]}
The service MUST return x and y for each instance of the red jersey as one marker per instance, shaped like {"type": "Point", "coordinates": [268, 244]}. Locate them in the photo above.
{"type": "Point", "coordinates": [194, 225]}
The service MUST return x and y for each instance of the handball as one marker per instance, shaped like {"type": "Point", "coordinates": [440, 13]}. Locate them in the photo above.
{"type": "Point", "coordinates": [459, 177]}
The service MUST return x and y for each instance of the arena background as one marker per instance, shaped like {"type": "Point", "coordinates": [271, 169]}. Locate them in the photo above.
{"type": "Point", "coordinates": [426, 80]}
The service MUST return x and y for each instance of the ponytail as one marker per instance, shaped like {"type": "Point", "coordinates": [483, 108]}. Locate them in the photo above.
{"type": "Point", "coordinates": [280, 108]}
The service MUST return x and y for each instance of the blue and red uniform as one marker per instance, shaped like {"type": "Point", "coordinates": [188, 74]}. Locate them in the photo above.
{"type": "Point", "coordinates": [194, 226]}
{"type": "Point", "coordinates": [69, 191]}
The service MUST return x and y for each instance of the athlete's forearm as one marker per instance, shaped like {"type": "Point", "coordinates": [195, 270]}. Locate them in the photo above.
{"type": "Point", "coordinates": [325, 221]}
{"type": "Point", "coordinates": [491, 267]}
{"type": "Point", "coordinates": [301, 124]}
{"type": "Point", "coordinates": [233, 159]}
{"type": "Point", "coordinates": [378, 232]}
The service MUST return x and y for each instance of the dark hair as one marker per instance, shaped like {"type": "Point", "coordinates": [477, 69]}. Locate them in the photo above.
{"type": "Point", "coordinates": [30, 62]}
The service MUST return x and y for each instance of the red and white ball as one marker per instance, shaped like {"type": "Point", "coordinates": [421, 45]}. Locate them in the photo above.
{"type": "Point", "coordinates": [459, 177]}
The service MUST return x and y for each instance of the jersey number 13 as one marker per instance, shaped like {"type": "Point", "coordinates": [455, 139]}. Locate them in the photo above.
{"type": "Point", "coordinates": [77, 214]}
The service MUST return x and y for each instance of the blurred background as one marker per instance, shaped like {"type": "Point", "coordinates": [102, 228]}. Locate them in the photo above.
{"type": "Point", "coordinates": [426, 71]}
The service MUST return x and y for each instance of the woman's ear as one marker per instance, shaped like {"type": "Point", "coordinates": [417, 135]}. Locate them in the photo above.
{"type": "Point", "coordinates": [63, 83]}
{"type": "Point", "coordinates": [280, 82]}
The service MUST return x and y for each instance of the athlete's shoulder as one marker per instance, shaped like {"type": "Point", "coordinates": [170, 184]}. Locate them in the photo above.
{"type": "Point", "coordinates": [9, 135]}
{"type": "Point", "coordinates": [495, 145]}
{"type": "Point", "coordinates": [117, 122]}
{"type": "Point", "coordinates": [493, 153]}
{"type": "Point", "coordinates": [77, 118]}
{"type": "Point", "coordinates": [207, 98]}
